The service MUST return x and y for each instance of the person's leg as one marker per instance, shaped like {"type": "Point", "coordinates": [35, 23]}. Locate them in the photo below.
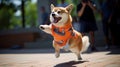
{"type": "Point", "coordinates": [92, 41]}
{"type": "Point", "coordinates": [107, 40]}
{"type": "Point", "coordinates": [106, 34]}
{"type": "Point", "coordinates": [82, 27]}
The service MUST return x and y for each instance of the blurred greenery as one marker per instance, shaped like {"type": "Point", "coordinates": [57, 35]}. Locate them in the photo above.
{"type": "Point", "coordinates": [9, 19]}
{"type": "Point", "coordinates": [7, 10]}
{"type": "Point", "coordinates": [31, 14]}
{"type": "Point", "coordinates": [15, 22]}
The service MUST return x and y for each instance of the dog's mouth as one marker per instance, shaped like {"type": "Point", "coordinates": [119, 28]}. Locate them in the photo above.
{"type": "Point", "coordinates": [56, 19]}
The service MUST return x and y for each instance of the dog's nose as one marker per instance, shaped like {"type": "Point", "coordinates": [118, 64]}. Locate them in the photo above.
{"type": "Point", "coordinates": [53, 14]}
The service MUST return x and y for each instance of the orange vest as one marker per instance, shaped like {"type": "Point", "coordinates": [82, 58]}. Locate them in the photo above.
{"type": "Point", "coordinates": [62, 34]}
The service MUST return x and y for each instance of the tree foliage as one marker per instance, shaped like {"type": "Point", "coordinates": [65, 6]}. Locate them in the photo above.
{"type": "Point", "coordinates": [31, 14]}
{"type": "Point", "coordinates": [8, 19]}
{"type": "Point", "coordinates": [7, 9]}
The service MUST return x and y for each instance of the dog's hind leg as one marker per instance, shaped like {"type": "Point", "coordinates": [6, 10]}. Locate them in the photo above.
{"type": "Point", "coordinates": [77, 53]}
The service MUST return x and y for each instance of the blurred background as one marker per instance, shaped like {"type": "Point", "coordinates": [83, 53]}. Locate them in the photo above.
{"type": "Point", "coordinates": [20, 20]}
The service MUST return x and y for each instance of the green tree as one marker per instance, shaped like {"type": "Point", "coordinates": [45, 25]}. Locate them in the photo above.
{"type": "Point", "coordinates": [16, 22]}
{"type": "Point", "coordinates": [7, 9]}
{"type": "Point", "coordinates": [31, 14]}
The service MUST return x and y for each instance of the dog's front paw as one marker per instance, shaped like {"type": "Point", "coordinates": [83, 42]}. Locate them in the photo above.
{"type": "Point", "coordinates": [41, 27]}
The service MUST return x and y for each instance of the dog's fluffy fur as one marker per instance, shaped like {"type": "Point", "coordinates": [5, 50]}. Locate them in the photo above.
{"type": "Point", "coordinates": [76, 45]}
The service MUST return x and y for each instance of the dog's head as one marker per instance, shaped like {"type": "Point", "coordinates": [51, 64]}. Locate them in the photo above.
{"type": "Point", "coordinates": [60, 15]}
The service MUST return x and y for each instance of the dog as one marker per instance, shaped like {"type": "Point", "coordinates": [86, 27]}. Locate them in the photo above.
{"type": "Point", "coordinates": [65, 37]}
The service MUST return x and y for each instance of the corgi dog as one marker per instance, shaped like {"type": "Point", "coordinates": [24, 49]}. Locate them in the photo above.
{"type": "Point", "coordinates": [65, 37]}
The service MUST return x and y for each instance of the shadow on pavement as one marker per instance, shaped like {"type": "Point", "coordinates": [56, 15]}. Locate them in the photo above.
{"type": "Point", "coordinates": [69, 64]}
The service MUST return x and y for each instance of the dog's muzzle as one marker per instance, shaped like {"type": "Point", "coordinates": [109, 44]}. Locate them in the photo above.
{"type": "Point", "coordinates": [56, 19]}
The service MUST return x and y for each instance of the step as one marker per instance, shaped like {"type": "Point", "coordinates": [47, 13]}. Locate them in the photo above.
{"type": "Point", "coordinates": [39, 44]}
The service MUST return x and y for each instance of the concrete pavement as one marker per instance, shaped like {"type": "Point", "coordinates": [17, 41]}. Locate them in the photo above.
{"type": "Point", "coordinates": [46, 58]}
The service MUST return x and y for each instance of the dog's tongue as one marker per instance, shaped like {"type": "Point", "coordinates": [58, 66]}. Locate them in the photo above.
{"type": "Point", "coordinates": [56, 19]}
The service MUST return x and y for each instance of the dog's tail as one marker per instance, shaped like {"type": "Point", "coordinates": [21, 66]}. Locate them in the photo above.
{"type": "Point", "coordinates": [86, 43]}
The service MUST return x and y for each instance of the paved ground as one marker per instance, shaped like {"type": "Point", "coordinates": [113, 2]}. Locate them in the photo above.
{"type": "Point", "coordinates": [46, 58]}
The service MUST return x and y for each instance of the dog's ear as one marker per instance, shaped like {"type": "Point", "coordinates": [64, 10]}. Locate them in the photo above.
{"type": "Point", "coordinates": [52, 6]}
{"type": "Point", "coordinates": [69, 8]}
